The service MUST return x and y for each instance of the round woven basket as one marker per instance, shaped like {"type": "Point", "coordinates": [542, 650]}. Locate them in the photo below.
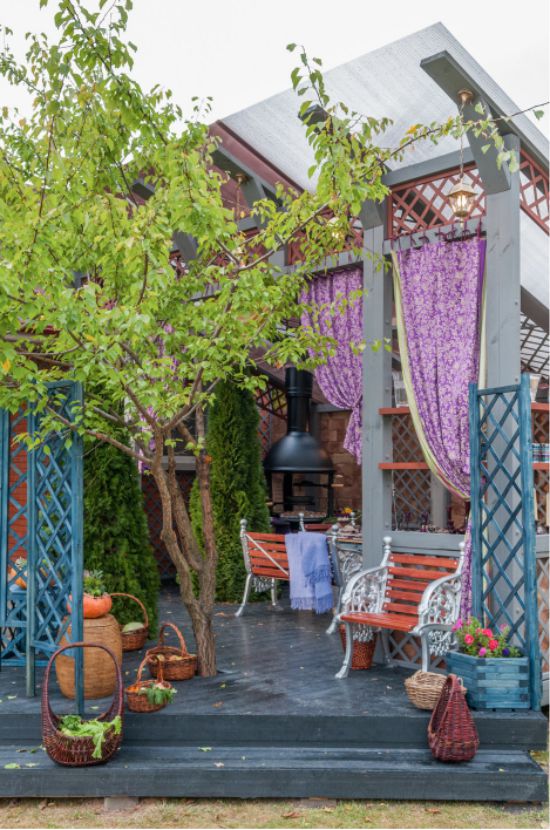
{"type": "Point", "coordinates": [424, 689]}
{"type": "Point", "coordinates": [99, 672]}
{"type": "Point", "coordinates": [138, 702]}
{"type": "Point", "coordinates": [77, 751]}
{"type": "Point", "coordinates": [134, 640]}
{"type": "Point", "coordinates": [183, 667]}
{"type": "Point", "coordinates": [363, 653]}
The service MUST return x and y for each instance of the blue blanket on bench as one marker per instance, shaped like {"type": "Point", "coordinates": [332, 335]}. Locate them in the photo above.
{"type": "Point", "coordinates": [310, 574]}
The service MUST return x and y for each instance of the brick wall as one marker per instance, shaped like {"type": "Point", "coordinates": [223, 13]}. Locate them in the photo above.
{"type": "Point", "coordinates": [333, 427]}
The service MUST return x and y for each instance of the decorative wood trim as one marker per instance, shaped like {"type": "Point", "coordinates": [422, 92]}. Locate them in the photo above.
{"type": "Point", "coordinates": [394, 410]}
{"type": "Point", "coordinates": [403, 465]}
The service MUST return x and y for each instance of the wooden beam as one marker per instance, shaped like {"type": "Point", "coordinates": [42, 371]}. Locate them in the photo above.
{"type": "Point", "coordinates": [427, 169]}
{"type": "Point", "coordinates": [449, 75]}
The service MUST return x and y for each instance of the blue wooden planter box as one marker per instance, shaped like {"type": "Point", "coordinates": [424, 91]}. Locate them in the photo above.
{"type": "Point", "coordinates": [492, 682]}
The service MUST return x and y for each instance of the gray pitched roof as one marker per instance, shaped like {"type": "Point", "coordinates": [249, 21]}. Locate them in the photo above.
{"type": "Point", "coordinates": [386, 82]}
{"type": "Point", "coordinates": [390, 82]}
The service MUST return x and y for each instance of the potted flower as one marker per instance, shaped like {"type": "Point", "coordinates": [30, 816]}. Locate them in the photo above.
{"type": "Point", "coordinates": [495, 673]}
{"type": "Point", "coordinates": [96, 602]}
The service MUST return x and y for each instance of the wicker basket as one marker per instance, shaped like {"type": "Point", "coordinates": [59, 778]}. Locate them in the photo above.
{"type": "Point", "coordinates": [363, 653]}
{"type": "Point", "coordinates": [138, 702]}
{"type": "Point", "coordinates": [452, 733]}
{"type": "Point", "coordinates": [72, 751]}
{"type": "Point", "coordinates": [182, 668]}
{"type": "Point", "coordinates": [134, 640]}
{"type": "Point", "coordinates": [424, 688]}
{"type": "Point", "coordinates": [99, 674]}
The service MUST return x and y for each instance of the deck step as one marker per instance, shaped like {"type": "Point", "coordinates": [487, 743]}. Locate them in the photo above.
{"type": "Point", "coordinates": [497, 730]}
{"type": "Point", "coordinates": [275, 771]}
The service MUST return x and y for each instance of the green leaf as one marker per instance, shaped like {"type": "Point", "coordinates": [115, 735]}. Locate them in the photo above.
{"type": "Point", "coordinates": [290, 47]}
{"type": "Point", "coordinates": [485, 148]}
{"type": "Point", "coordinates": [12, 766]}
{"type": "Point", "coordinates": [538, 114]}
{"type": "Point", "coordinates": [479, 108]}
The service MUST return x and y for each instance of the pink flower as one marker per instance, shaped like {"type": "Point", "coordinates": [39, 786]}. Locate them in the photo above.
{"type": "Point", "coordinates": [468, 639]}
{"type": "Point", "coordinates": [493, 644]}
{"type": "Point", "coordinates": [457, 625]}
{"type": "Point", "coordinates": [482, 651]}
{"type": "Point", "coordinates": [487, 632]}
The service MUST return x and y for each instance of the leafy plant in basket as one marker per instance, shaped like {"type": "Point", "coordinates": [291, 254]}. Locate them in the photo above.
{"type": "Point", "coordinates": [158, 694]}
{"type": "Point", "coordinates": [73, 726]}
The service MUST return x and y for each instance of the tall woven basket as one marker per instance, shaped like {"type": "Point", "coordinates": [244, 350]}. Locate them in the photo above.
{"type": "Point", "coordinates": [134, 640]}
{"type": "Point", "coordinates": [77, 751]}
{"type": "Point", "coordinates": [452, 733]}
{"type": "Point", "coordinates": [178, 664]}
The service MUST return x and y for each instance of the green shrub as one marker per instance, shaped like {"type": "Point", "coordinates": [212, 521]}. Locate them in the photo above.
{"type": "Point", "coordinates": [116, 535]}
{"type": "Point", "coordinates": [237, 484]}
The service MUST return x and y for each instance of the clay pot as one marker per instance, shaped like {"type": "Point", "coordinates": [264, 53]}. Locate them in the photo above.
{"type": "Point", "coordinates": [99, 669]}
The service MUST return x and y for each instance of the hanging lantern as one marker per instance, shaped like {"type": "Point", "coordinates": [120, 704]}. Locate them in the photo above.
{"type": "Point", "coordinates": [461, 198]}
{"type": "Point", "coordinates": [462, 195]}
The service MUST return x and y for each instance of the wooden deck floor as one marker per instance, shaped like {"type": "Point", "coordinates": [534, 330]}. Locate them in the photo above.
{"type": "Point", "coordinates": [274, 722]}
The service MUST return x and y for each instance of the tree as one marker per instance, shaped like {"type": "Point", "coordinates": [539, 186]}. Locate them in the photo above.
{"type": "Point", "coordinates": [116, 536]}
{"type": "Point", "coordinates": [236, 481]}
{"type": "Point", "coordinates": [146, 340]}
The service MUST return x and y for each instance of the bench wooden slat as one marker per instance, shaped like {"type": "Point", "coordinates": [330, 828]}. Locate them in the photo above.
{"type": "Point", "coordinates": [420, 559]}
{"type": "Point", "coordinates": [406, 585]}
{"type": "Point", "coordinates": [272, 572]}
{"type": "Point", "coordinates": [397, 622]}
{"type": "Point", "coordinates": [412, 596]}
{"type": "Point", "coordinates": [401, 608]}
{"type": "Point", "coordinates": [426, 575]}
{"type": "Point", "coordinates": [267, 537]}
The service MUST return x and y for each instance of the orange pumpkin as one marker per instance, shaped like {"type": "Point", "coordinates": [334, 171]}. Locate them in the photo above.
{"type": "Point", "coordinates": [94, 607]}
{"type": "Point", "coordinates": [20, 581]}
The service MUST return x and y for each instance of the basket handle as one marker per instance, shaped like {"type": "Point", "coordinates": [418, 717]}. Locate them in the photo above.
{"type": "Point", "coordinates": [179, 635]}
{"type": "Point", "coordinates": [139, 602]}
{"type": "Point", "coordinates": [160, 670]}
{"type": "Point", "coordinates": [116, 706]}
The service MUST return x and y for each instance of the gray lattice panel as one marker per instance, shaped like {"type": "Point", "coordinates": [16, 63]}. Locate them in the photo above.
{"type": "Point", "coordinates": [411, 499]}
{"type": "Point", "coordinates": [534, 348]}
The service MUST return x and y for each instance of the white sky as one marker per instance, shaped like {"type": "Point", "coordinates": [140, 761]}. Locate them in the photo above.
{"type": "Point", "coordinates": [235, 51]}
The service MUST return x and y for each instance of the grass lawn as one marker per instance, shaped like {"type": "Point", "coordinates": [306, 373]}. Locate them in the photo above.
{"type": "Point", "coordinates": [184, 813]}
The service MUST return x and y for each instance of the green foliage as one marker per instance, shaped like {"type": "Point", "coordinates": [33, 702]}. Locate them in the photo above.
{"type": "Point", "coordinates": [94, 583]}
{"type": "Point", "coordinates": [75, 727]}
{"type": "Point", "coordinates": [116, 536]}
{"type": "Point", "coordinates": [236, 481]}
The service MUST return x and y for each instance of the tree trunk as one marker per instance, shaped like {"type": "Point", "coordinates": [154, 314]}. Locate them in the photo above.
{"type": "Point", "coordinates": [200, 609]}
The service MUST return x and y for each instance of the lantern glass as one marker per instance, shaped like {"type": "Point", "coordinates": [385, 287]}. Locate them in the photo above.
{"type": "Point", "coordinates": [461, 199]}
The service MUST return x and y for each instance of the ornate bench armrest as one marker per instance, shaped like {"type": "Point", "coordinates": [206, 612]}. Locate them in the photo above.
{"type": "Point", "coordinates": [440, 603]}
{"type": "Point", "coordinates": [365, 591]}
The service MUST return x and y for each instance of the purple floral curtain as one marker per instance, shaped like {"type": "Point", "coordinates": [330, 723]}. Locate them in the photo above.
{"type": "Point", "coordinates": [439, 308]}
{"type": "Point", "coordinates": [340, 379]}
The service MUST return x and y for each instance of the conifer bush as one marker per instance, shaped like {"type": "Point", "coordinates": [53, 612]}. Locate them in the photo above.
{"type": "Point", "coordinates": [237, 483]}
{"type": "Point", "coordinates": [116, 535]}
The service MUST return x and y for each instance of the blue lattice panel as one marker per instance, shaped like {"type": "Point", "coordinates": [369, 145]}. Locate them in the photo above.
{"type": "Point", "coordinates": [504, 590]}
{"type": "Point", "coordinates": [14, 627]}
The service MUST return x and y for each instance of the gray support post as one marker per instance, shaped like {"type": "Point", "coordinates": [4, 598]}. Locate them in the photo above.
{"type": "Point", "coordinates": [503, 283]}
{"type": "Point", "coordinates": [377, 440]}
{"type": "Point", "coordinates": [503, 319]}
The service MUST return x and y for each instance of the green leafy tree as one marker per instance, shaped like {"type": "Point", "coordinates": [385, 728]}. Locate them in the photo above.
{"type": "Point", "coordinates": [236, 481]}
{"type": "Point", "coordinates": [145, 341]}
{"type": "Point", "coordinates": [116, 535]}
